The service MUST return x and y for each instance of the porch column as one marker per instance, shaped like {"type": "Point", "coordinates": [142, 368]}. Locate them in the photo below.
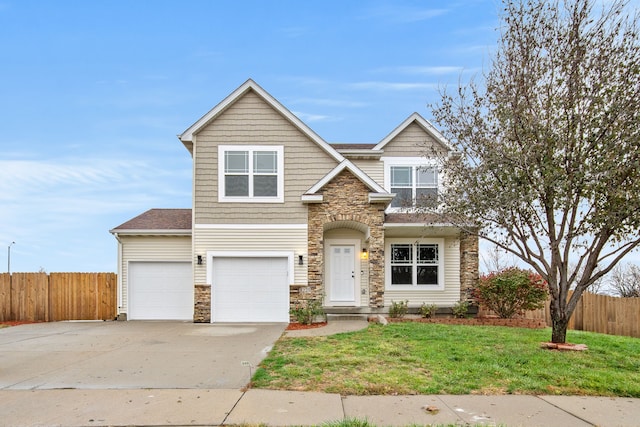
{"type": "Point", "coordinates": [468, 264]}
{"type": "Point", "coordinates": [315, 255]}
{"type": "Point", "coordinates": [376, 256]}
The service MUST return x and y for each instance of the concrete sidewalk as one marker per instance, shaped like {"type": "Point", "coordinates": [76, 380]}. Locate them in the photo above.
{"type": "Point", "coordinates": [160, 407]}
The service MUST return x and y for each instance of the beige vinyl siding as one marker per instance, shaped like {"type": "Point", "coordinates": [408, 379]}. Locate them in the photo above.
{"type": "Point", "coordinates": [442, 298]}
{"type": "Point", "coordinates": [238, 239]}
{"type": "Point", "coordinates": [372, 167]}
{"type": "Point", "coordinates": [413, 141]}
{"type": "Point", "coordinates": [151, 248]}
{"type": "Point", "coordinates": [251, 121]}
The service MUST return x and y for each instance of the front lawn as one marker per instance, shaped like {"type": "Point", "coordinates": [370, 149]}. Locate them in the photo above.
{"type": "Point", "coordinates": [413, 358]}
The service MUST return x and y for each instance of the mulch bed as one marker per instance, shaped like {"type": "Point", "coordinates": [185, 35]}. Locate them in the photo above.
{"type": "Point", "coordinates": [478, 321]}
{"type": "Point", "coordinates": [15, 323]}
{"type": "Point", "coordinates": [299, 326]}
{"type": "Point", "coordinates": [564, 346]}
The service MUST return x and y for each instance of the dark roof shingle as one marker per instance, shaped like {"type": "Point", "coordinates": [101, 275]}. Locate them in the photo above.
{"type": "Point", "coordinates": [413, 218]}
{"type": "Point", "coordinates": [159, 219]}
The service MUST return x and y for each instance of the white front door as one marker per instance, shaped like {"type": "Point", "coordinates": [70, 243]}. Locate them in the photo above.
{"type": "Point", "coordinates": [342, 276]}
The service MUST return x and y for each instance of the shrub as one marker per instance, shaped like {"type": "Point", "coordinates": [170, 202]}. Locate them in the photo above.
{"type": "Point", "coordinates": [398, 309]}
{"type": "Point", "coordinates": [305, 311]}
{"type": "Point", "coordinates": [511, 291]}
{"type": "Point", "coordinates": [460, 309]}
{"type": "Point", "coordinates": [428, 311]}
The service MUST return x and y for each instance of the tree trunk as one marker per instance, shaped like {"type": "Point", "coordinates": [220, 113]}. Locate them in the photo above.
{"type": "Point", "coordinates": [559, 321]}
{"type": "Point", "coordinates": [559, 330]}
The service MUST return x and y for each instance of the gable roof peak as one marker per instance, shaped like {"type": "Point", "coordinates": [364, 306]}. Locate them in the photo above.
{"type": "Point", "coordinates": [346, 165]}
{"type": "Point", "coordinates": [187, 136]}
{"type": "Point", "coordinates": [425, 124]}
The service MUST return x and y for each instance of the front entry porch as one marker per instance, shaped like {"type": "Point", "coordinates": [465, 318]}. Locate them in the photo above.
{"type": "Point", "coordinates": [346, 246]}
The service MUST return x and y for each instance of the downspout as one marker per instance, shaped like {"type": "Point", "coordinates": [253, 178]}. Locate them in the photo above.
{"type": "Point", "coordinates": [119, 272]}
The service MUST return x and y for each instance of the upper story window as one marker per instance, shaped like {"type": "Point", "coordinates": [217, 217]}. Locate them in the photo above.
{"type": "Point", "coordinates": [251, 174]}
{"type": "Point", "coordinates": [413, 182]}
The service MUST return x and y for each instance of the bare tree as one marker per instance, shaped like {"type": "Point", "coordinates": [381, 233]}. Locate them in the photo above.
{"type": "Point", "coordinates": [625, 281]}
{"type": "Point", "coordinates": [599, 286]}
{"type": "Point", "coordinates": [496, 259]}
{"type": "Point", "coordinates": [549, 143]}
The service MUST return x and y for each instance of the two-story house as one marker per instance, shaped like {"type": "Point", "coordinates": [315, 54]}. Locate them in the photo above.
{"type": "Point", "coordinates": [280, 215]}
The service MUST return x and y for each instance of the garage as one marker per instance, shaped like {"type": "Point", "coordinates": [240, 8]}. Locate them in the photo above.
{"type": "Point", "coordinates": [160, 291]}
{"type": "Point", "coordinates": [250, 289]}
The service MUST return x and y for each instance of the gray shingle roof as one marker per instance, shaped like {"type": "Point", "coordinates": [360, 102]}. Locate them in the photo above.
{"type": "Point", "coordinates": [159, 219]}
{"type": "Point", "coordinates": [417, 218]}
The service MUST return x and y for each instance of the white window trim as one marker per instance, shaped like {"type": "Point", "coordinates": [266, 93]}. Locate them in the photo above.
{"type": "Point", "coordinates": [415, 286]}
{"type": "Point", "coordinates": [408, 161]}
{"type": "Point", "coordinates": [279, 149]}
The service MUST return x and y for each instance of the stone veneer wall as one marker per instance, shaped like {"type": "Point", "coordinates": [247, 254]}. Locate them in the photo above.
{"type": "Point", "coordinates": [202, 304]}
{"type": "Point", "coordinates": [468, 264]}
{"type": "Point", "coordinates": [346, 198]}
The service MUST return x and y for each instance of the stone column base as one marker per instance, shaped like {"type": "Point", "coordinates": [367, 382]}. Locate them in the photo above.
{"type": "Point", "coordinates": [202, 304]}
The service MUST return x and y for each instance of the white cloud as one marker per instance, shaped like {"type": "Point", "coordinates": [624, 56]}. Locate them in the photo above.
{"type": "Point", "coordinates": [293, 32]}
{"type": "Point", "coordinates": [41, 197]}
{"type": "Point", "coordinates": [206, 53]}
{"type": "Point", "coordinates": [400, 14]}
{"type": "Point", "coordinates": [305, 80]}
{"type": "Point", "coordinates": [307, 117]}
{"type": "Point", "coordinates": [326, 102]}
{"type": "Point", "coordinates": [56, 206]}
{"type": "Point", "coordinates": [422, 69]}
{"type": "Point", "coordinates": [392, 86]}
{"type": "Point", "coordinates": [37, 175]}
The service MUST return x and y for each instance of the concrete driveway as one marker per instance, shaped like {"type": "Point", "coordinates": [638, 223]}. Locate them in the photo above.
{"type": "Point", "coordinates": [132, 355]}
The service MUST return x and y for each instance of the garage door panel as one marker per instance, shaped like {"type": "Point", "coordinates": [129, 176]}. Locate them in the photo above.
{"type": "Point", "coordinates": [250, 290]}
{"type": "Point", "coordinates": [160, 291]}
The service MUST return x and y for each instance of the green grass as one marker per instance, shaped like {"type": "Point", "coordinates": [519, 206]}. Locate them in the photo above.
{"type": "Point", "coordinates": [413, 358]}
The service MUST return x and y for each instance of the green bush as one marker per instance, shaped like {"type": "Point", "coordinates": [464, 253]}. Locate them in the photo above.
{"type": "Point", "coordinates": [460, 309]}
{"type": "Point", "coordinates": [305, 311]}
{"type": "Point", "coordinates": [511, 291]}
{"type": "Point", "coordinates": [398, 309]}
{"type": "Point", "coordinates": [428, 311]}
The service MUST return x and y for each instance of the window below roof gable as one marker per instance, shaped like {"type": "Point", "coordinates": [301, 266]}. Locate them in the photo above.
{"type": "Point", "coordinates": [414, 180]}
{"type": "Point", "coordinates": [251, 173]}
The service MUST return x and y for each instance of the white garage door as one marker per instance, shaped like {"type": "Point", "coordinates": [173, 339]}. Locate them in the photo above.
{"type": "Point", "coordinates": [160, 291]}
{"type": "Point", "coordinates": [250, 290]}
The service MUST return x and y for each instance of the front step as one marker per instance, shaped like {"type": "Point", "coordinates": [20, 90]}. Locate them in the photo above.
{"type": "Point", "coordinates": [346, 316]}
{"type": "Point", "coordinates": [355, 310]}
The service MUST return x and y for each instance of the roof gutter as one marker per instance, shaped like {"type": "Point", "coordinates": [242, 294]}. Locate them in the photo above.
{"type": "Point", "coordinates": [158, 232]}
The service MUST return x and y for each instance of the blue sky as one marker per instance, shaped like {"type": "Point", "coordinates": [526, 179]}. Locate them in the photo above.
{"type": "Point", "coordinates": [94, 93]}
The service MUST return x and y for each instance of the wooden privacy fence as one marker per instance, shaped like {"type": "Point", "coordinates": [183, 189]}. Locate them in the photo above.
{"type": "Point", "coordinates": [38, 297]}
{"type": "Point", "coordinates": [600, 313]}
{"type": "Point", "coordinates": [607, 315]}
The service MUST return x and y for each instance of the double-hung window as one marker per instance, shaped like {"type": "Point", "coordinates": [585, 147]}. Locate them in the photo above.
{"type": "Point", "coordinates": [414, 186]}
{"type": "Point", "coordinates": [415, 264]}
{"type": "Point", "coordinates": [250, 174]}
{"type": "Point", "coordinates": [412, 181]}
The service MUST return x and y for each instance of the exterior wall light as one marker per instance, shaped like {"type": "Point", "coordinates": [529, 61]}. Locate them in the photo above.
{"type": "Point", "coordinates": [364, 254]}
